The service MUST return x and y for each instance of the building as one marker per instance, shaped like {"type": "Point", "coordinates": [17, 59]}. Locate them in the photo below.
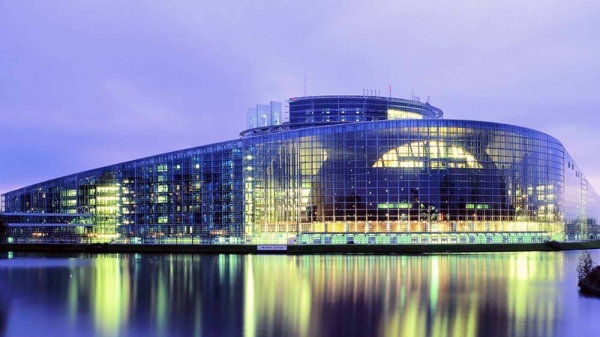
{"type": "Point", "coordinates": [363, 169]}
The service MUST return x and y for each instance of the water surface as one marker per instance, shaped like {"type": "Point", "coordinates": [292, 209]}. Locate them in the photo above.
{"type": "Point", "coordinates": [506, 294]}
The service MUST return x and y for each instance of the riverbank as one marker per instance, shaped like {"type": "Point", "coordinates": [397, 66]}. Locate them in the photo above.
{"type": "Point", "coordinates": [300, 249]}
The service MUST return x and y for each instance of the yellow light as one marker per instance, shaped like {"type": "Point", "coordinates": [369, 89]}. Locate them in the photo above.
{"type": "Point", "coordinates": [402, 114]}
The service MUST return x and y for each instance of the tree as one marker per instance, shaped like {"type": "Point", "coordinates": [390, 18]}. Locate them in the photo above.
{"type": "Point", "coordinates": [585, 266]}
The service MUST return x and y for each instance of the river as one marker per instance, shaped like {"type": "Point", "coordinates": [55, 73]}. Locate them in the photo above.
{"type": "Point", "coordinates": [484, 294]}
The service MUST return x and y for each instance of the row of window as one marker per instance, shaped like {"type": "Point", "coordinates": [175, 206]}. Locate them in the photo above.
{"type": "Point", "coordinates": [304, 173]}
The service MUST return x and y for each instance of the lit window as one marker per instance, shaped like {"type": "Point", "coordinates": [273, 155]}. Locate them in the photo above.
{"type": "Point", "coordinates": [415, 154]}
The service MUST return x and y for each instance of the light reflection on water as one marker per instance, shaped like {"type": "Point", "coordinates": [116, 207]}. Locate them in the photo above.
{"type": "Point", "coordinates": [507, 294]}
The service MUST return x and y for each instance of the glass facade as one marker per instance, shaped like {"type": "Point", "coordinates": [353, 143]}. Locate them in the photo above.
{"type": "Point", "coordinates": [46, 227]}
{"type": "Point", "coordinates": [400, 174]}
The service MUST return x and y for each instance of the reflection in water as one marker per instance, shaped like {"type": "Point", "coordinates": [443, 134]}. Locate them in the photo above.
{"type": "Point", "coordinates": [444, 295]}
{"type": "Point", "coordinates": [509, 294]}
{"type": "Point", "coordinates": [3, 313]}
{"type": "Point", "coordinates": [110, 300]}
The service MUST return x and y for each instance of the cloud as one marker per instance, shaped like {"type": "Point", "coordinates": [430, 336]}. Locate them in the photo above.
{"type": "Point", "coordinates": [87, 84]}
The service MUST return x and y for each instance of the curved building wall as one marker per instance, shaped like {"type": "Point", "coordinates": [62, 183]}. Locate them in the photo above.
{"type": "Point", "coordinates": [340, 109]}
{"type": "Point", "coordinates": [414, 177]}
{"type": "Point", "coordinates": [420, 176]}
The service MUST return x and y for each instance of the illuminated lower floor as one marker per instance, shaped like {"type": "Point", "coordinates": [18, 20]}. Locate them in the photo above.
{"type": "Point", "coordinates": [406, 227]}
{"type": "Point", "coordinates": [357, 232]}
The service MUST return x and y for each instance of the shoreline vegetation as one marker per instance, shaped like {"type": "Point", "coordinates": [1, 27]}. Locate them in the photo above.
{"type": "Point", "coordinates": [588, 274]}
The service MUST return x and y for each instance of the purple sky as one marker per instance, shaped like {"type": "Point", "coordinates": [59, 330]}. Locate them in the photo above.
{"type": "Point", "coordinates": [85, 84]}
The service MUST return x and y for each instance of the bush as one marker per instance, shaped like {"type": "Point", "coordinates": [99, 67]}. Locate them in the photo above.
{"type": "Point", "coordinates": [594, 276]}
{"type": "Point", "coordinates": [589, 275]}
{"type": "Point", "coordinates": [585, 266]}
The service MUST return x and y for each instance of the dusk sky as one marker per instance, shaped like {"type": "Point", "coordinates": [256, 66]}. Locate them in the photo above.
{"type": "Point", "coordinates": [84, 84]}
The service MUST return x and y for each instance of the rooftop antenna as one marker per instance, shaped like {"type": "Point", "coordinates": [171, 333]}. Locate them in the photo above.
{"type": "Point", "coordinates": [428, 99]}
{"type": "Point", "coordinates": [390, 88]}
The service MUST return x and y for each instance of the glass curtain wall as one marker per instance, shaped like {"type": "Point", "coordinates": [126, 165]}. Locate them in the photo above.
{"type": "Point", "coordinates": [416, 176]}
{"type": "Point", "coordinates": [409, 176]}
